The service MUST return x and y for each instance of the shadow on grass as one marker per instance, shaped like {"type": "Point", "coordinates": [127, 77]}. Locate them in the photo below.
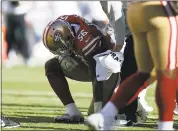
{"type": "Point", "coordinates": [44, 113]}
{"type": "Point", "coordinates": [56, 129]}
{"type": "Point", "coordinates": [45, 109]}
{"type": "Point", "coordinates": [33, 119]}
{"type": "Point", "coordinates": [56, 107]}
{"type": "Point", "coordinates": [147, 125]}
{"type": "Point", "coordinates": [38, 120]}
{"type": "Point", "coordinates": [43, 129]}
{"type": "Point", "coordinates": [152, 123]}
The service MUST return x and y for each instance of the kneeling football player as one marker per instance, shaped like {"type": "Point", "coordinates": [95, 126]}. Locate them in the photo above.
{"type": "Point", "coordinates": [75, 42]}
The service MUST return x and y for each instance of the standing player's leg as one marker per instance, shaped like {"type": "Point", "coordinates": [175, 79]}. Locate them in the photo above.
{"type": "Point", "coordinates": [163, 38]}
{"type": "Point", "coordinates": [134, 111]}
{"type": "Point", "coordinates": [21, 38]}
{"type": "Point", "coordinates": [176, 109]}
{"type": "Point", "coordinates": [134, 83]}
{"type": "Point", "coordinates": [10, 33]}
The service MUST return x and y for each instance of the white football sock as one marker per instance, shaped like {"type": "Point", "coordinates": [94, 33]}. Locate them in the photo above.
{"type": "Point", "coordinates": [166, 125]}
{"type": "Point", "coordinates": [109, 112]}
{"type": "Point", "coordinates": [72, 109]}
{"type": "Point", "coordinates": [109, 109]}
{"type": "Point", "coordinates": [97, 106]}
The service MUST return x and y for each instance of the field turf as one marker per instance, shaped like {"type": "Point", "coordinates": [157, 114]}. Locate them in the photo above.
{"type": "Point", "coordinates": [28, 99]}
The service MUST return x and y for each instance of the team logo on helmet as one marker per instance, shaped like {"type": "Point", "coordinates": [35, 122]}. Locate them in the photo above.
{"type": "Point", "coordinates": [57, 37]}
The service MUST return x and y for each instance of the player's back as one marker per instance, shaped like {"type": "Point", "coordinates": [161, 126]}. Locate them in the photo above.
{"type": "Point", "coordinates": [89, 38]}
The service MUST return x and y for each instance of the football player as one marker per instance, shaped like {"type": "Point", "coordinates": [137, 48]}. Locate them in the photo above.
{"type": "Point", "coordinates": [154, 25]}
{"type": "Point", "coordinates": [75, 42]}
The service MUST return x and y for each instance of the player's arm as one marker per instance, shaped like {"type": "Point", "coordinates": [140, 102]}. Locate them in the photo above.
{"type": "Point", "coordinates": [117, 20]}
{"type": "Point", "coordinates": [93, 12]}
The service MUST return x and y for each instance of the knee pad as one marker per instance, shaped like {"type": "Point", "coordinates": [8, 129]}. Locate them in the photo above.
{"type": "Point", "coordinates": [52, 66]}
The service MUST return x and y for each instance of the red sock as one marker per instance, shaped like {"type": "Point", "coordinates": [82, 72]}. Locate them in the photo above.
{"type": "Point", "coordinates": [165, 97]}
{"type": "Point", "coordinates": [128, 89]}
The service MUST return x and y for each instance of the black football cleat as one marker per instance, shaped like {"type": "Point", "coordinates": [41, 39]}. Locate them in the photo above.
{"type": "Point", "coordinates": [66, 118]}
{"type": "Point", "coordinates": [141, 114]}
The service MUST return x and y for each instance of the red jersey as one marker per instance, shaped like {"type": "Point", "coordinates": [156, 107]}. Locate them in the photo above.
{"type": "Point", "coordinates": [89, 39]}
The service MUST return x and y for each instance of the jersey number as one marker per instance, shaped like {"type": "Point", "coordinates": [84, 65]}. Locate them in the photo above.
{"type": "Point", "coordinates": [82, 34]}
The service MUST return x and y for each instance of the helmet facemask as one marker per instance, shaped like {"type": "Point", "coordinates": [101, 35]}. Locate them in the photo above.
{"type": "Point", "coordinates": [65, 47]}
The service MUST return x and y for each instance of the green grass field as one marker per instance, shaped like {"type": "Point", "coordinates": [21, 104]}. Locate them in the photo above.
{"type": "Point", "coordinates": [28, 99]}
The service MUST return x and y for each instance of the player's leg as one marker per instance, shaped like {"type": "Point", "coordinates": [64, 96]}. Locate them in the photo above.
{"type": "Point", "coordinates": [176, 109]}
{"type": "Point", "coordinates": [56, 77]}
{"type": "Point", "coordinates": [134, 112]}
{"type": "Point", "coordinates": [142, 94]}
{"type": "Point", "coordinates": [143, 59]}
{"type": "Point", "coordinates": [10, 33]}
{"type": "Point", "coordinates": [21, 38]}
{"type": "Point", "coordinates": [133, 84]}
{"type": "Point", "coordinates": [163, 37]}
{"type": "Point", "coordinates": [58, 81]}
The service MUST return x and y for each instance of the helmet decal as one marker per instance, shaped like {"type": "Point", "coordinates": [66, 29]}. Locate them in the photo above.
{"type": "Point", "coordinates": [57, 36]}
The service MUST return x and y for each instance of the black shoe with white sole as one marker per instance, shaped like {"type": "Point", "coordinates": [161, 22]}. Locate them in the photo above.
{"type": "Point", "coordinates": [66, 118]}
